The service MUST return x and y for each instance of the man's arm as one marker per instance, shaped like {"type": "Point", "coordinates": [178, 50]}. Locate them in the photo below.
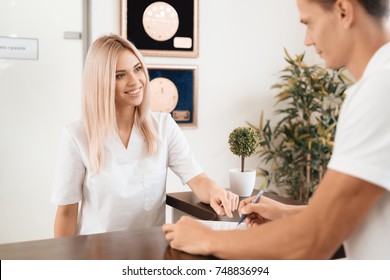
{"type": "Point", "coordinates": [339, 205]}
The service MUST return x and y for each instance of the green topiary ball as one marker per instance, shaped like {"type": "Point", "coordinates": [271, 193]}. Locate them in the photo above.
{"type": "Point", "coordinates": [243, 141]}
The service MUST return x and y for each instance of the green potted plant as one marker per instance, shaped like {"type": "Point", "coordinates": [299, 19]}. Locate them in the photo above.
{"type": "Point", "coordinates": [243, 142]}
{"type": "Point", "coordinates": [299, 146]}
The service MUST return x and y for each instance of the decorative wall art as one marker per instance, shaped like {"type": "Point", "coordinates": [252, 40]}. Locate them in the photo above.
{"type": "Point", "coordinates": [174, 90]}
{"type": "Point", "coordinates": [161, 28]}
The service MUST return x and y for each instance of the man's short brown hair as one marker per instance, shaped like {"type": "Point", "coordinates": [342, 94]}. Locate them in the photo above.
{"type": "Point", "coordinates": [376, 8]}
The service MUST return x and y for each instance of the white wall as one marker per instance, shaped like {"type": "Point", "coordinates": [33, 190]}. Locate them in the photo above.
{"type": "Point", "coordinates": [241, 51]}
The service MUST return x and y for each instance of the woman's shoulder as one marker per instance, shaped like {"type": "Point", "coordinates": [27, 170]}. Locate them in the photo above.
{"type": "Point", "coordinates": [162, 119]}
{"type": "Point", "coordinates": [164, 123]}
{"type": "Point", "coordinates": [76, 129]}
{"type": "Point", "coordinates": [161, 116]}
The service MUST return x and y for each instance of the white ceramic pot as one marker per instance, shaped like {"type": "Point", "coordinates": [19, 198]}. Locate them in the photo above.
{"type": "Point", "coordinates": [242, 183]}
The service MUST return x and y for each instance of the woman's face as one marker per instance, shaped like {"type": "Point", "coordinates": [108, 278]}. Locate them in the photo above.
{"type": "Point", "coordinates": [130, 80]}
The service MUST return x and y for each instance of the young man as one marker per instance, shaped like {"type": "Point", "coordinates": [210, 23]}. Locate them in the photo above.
{"type": "Point", "coordinates": [352, 204]}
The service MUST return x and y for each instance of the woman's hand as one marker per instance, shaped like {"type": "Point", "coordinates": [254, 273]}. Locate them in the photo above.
{"type": "Point", "coordinates": [223, 202]}
{"type": "Point", "coordinates": [188, 235]}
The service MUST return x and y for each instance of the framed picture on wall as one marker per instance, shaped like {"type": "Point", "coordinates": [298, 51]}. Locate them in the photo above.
{"type": "Point", "coordinates": [161, 28]}
{"type": "Point", "coordinates": [174, 89]}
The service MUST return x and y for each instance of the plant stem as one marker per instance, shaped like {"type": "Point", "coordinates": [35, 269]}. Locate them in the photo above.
{"type": "Point", "coordinates": [301, 184]}
{"type": "Point", "coordinates": [242, 163]}
{"type": "Point", "coordinates": [308, 179]}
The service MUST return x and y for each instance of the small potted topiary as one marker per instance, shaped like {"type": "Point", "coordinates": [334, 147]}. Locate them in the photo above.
{"type": "Point", "coordinates": [243, 142]}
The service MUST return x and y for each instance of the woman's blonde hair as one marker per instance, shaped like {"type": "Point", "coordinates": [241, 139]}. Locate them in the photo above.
{"type": "Point", "coordinates": [98, 103]}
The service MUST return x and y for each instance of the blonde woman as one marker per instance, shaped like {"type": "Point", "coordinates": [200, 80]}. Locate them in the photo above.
{"type": "Point", "coordinates": [113, 163]}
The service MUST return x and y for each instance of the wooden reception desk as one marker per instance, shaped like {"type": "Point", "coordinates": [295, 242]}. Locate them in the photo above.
{"type": "Point", "coordinates": [147, 244]}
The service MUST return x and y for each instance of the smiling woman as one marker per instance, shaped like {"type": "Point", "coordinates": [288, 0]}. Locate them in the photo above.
{"type": "Point", "coordinates": [103, 108]}
{"type": "Point", "coordinates": [115, 159]}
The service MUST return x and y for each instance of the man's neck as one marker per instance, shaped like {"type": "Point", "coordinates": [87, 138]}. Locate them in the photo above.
{"type": "Point", "coordinates": [365, 47]}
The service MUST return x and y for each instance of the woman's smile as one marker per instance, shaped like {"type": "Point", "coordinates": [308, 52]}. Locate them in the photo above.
{"type": "Point", "coordinates": [134, 92]}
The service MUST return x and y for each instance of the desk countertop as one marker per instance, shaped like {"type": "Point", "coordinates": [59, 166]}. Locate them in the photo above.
{"type": "Point", "coordinates": [147, 244]}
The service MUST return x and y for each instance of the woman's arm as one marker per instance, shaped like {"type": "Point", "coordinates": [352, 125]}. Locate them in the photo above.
{"type": "Point", "coordinates": [66, 220]}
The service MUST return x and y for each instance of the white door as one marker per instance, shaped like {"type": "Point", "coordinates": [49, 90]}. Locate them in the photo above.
{"type": "Point", "coordinates": [37, 98]}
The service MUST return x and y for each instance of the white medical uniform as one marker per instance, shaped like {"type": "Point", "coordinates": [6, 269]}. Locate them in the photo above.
{"type": "Point", "coordinates": [129, 191]}
{"type": "Point", "coordinates": [362, 150]}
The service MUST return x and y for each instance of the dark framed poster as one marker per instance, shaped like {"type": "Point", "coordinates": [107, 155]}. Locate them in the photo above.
{"type": "Point", "coordinates": [161, 28]}
{"type": "Point", "coordinates": [174, 89]}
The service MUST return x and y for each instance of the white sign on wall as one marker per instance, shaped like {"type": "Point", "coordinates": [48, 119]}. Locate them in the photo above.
{"type": "Point", "coordinates": [18, 48]}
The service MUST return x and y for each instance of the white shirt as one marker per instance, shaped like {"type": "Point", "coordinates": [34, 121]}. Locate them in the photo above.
{"type": "Point", "coordinates": [129, 191]}
{"type": "Point", "coordinates": [362, 150]}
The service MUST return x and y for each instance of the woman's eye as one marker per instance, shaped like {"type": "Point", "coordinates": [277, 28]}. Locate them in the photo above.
{"type": "Point", "coordinates": [119, 76]}
{"type": "Point", "coordinates": [137, 69]}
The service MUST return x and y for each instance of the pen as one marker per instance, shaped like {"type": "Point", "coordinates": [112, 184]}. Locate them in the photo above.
{"type": "Point", "coordinates": [257, 198]}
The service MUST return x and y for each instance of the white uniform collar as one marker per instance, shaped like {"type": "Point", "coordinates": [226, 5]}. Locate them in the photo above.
{"type": "Point", "coordinates": [134, 151]}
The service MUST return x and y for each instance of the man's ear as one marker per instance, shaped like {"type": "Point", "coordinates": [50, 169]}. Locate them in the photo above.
{"type": "Point", "coordinates": [345, 11]}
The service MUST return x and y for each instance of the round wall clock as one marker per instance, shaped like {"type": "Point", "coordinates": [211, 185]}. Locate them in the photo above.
{"type": "Point", "coordinates": [164, 95]}
{"type": "Point", "coordinates": [160, 21]}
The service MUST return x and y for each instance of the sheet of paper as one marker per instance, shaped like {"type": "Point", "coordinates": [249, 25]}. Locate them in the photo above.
{"type": "Point", "coordinates": [221, 225]}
